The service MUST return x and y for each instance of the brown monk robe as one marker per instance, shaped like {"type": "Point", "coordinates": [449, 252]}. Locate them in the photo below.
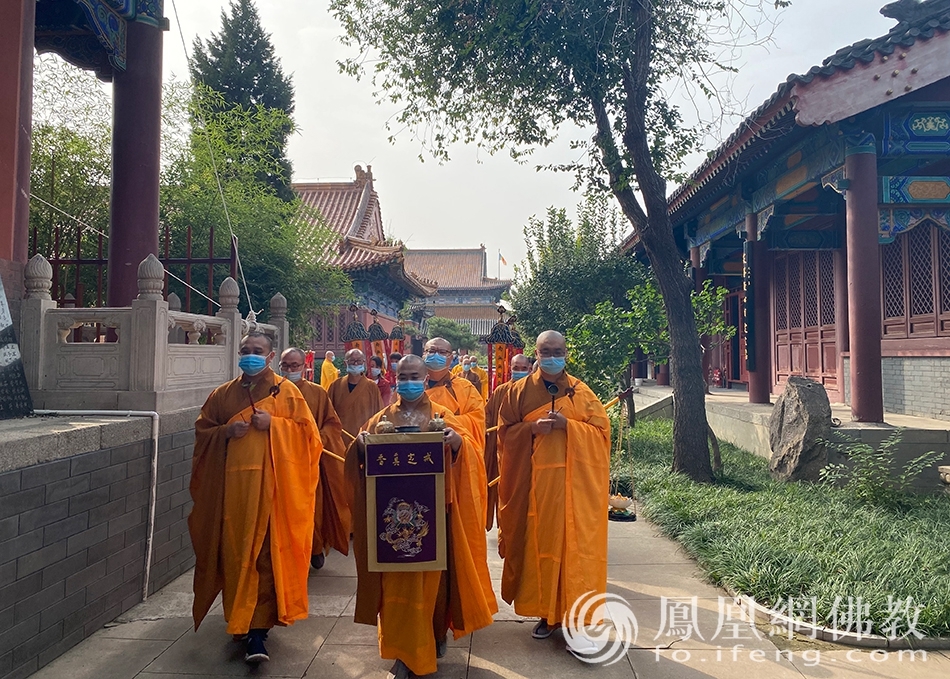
{"type": "Point", "coordinates": [414, 609]}
{"type": "Point", "coordinates": [331, 521]}
{"type": "Point", "coordinates": [355, 397]}
{"type": "Point", "coordinates": [520, 368]}
{"type": "Point", "coordinates": [253, 481]}
{"type": "Point", "coordinates": [555, 470]}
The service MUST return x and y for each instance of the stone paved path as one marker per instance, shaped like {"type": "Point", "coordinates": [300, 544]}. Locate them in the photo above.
{"type": "Point", "coordinates": [155, 641]}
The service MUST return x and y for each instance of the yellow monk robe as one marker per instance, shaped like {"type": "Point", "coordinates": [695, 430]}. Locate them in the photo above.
{"type": "Point", "coordinates": [357, 406]}
{"type": "Point", "coordinates": [412, 609]}
{"type": "Point", "coordinates": [492, 451]}
{"type": "Point", "coordinates": [328, 374]}
{"type": "Point", "coordinates": [552, 498]}
{"type": "Point", "coordinates": [331, 521]}
{"type": "Point", "coordinates": [254, 497]}
{"type": "Point", "coordinates": [458, 371]}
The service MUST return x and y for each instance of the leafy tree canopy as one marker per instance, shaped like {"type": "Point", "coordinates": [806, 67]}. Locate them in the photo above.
{"type": "Point", "coordinates": [457, 334]}
{"type": "Point", "coordinates": [570, 268]}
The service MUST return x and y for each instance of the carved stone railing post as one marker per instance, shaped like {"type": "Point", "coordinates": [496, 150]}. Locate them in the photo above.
{"type": "Point", "coordinates": [228, 296]}
{"type": "Point", "coordinates": [278, 317]}
{"type": "Point", "coordinates": [149, 329]}
{"type": "Point", "coordinates": [175, 334]}
{"type": "Point", "coordinates": [38, 280]}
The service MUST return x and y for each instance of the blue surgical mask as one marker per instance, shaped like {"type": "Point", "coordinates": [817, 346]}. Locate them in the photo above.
{"type": "Point", "coordinates": [435, 361]}
{"type": "Point", "coordinates": [355, 369]}
{"type": "Point", "coordinates": [553, 364]}
{"type": "Point", "coordinates": [293, 377]}
{"type": "Point", "coordinates": [394, 365]}
{"type": "Point", "coordinates": [410, 389]}
{"type": "Point", "coordinates": [466, 367]}
{"type": "Point", "coordinates": [375, 372]}
{"type": "Point", "coordinates": [252, 364]}
{"type": "Point", "coordinates": [519, 375]}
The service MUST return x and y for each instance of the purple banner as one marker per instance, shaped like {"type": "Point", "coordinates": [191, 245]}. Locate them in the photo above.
{"type": "Point", "coordinates": [406, 519]}
{"type": "Point", "coordinates": [389, 459]}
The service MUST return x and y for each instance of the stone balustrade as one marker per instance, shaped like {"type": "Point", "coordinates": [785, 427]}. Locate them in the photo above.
{"type": "Point", "coordinates": [150, 356]}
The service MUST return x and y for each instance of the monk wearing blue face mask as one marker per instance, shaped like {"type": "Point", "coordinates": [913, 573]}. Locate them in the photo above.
{"type": "Point", "coordinates": [253, 481]}
{"type": "Point", "coordinates": [355, 396]}
{"type": "Point", "coordinates": [413, 610]}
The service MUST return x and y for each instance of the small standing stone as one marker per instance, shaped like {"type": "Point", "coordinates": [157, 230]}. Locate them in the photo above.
{"type": "Point", "coordinates": [798, 429]}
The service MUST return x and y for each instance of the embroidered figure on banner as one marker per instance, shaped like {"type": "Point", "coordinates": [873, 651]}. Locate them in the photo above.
{"type": "Point", "coordinates": [405, 526]}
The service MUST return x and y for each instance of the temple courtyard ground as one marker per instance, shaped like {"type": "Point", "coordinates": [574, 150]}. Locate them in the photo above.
{"type": "Point", "coordinates": [666, 594]}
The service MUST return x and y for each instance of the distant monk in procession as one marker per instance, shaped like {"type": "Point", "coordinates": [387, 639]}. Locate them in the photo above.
{"type": "Point", "coordinates": [253, 481]}
{"type": "Point", "coordinates": [328, 371]}
{"type": "Point", "coordinates": [414, 610]}
{"type": "Point", "coordinates": [520, 368]}
{"type": "Point", "coordinates": [331, 518]}
{"type": "Point", "coordinates": [555, 471]}
{"type": "Point", "coordinates": [355, 397]}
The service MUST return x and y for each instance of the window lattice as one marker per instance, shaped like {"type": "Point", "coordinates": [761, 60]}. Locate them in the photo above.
{"type": "Point", "coordinates": [781, 295]}
{"type": "Point", "coordinates": [810, 288]}
{"type": "Point", "coordinates": [826, 284]}
{"type": "Point", "coordinates": [330, 328]}
{"type": "Point", "coordinates": [794, 292]}
{"type": "Point", "coordinates": [318, 328]}
{"type": "Point", "coordinates": [892, 256]}
{"type": "Point", "coordinates": [944, 262]}
{"type": "Point", "coordinates": [920, 261]}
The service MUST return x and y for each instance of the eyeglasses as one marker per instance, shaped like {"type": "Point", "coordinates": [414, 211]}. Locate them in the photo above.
{"type": "Point", "coordinates": [556, 353]}
{"type": "Point", "coordinates": [441, 352]}
{"type": "Point", "coordinates": [291, 366]}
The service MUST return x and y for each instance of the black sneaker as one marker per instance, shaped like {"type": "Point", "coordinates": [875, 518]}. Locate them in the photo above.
{"type": "Point", "coordinates": [399, 671]}
{"type": "Point", "coordinates": [256, 653]}
{"type": "Point", "coordinates": [317, 561]}
{"type": "Point", "coordinates": [441, 646]}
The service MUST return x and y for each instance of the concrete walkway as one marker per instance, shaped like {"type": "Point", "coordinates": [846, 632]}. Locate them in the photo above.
{"type": "Point", "coordinates": [155, 641]}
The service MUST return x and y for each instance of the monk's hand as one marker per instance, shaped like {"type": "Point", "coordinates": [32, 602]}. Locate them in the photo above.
{"type": "Point", "coordinates": [452, 438]}
{"type": "Point", "coordinates": [541, 427]}
{"type": "Point", "coordinates": [558, 420]}
{"type": "Point", "coordinates": [261, 420]}
{"type": "Point", "coordinates": [236, 430]}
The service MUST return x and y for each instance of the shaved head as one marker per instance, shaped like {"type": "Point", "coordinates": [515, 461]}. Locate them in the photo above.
{"type": "Point", "coordinates": [439, 343]}
{"type": "Point", "coordinates": [412, 361]}
{"type": "Point", "coordinates": [293, 353]}
{"type": "Point", "coordinates": [521, 362]}
{"type": "Point", "coordinates": [354, 355]}
{"type": "Point", "coordinates": [551, 336]}
{"type": "Point", "coordinates": [258, 336]}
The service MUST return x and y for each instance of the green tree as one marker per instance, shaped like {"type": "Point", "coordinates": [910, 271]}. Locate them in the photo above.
{"type": "Point", "coordinates": [507, 75]}
{"type": "Point", "coordinates": [571, 268]}
{"type": "Point", "coordinates": [240, 64]}
{"type": "Point", "coordinates": [457, 334]}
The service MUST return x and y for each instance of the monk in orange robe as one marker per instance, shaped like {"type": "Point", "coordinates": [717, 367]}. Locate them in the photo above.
{"type": "Point", "coordinates": [328, 371]}
{"type": "Point", "coordinates": [253, 481]}
{"type": "Point", "coordinates": [355, 397]}
{"type": "Point", "coordinates": [555, 478]}
{"type": "Point", "coordinates": [331, 520]}
{"type": "Point", "coordinates": [520, 368]}
{"type": "Point", "coordinates": [414, 610]}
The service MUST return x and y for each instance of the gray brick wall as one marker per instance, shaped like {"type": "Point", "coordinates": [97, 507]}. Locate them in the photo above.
{"type": "Point", "coordinates": [912, 385]}
{"type": "Point", "coordinates": [72, 544]}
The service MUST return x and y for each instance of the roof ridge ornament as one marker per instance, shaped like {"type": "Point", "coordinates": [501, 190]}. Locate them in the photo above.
{"type": "Point", "coordinates": [910, 11]}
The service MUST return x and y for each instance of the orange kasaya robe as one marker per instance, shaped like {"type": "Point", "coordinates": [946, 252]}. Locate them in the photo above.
{"type": "Point", "coordinates": [254, 496]}
{"type": "Point", "coordinates": [328, 374]}
{"type": "Point", "coordinates": [331, 521]}
{"type": "Point", "coordinates": [553, 498]}
{"type": "Point", "coordinates": [411, 609]}
{"type": "Point", "coordinates": [459, 371]}
{"type": "Point", "coordinates": [492, 451]}
{"type": "Point", "coordinates": [354, 407]}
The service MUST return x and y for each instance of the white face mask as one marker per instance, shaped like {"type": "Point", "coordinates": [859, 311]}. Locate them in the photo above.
{"type": "Point", "coordinates": [293, 377]}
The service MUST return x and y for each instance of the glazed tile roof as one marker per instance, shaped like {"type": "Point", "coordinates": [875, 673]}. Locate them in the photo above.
{"type": "Point", "coordinates": [454, 269]}
{"type": "Point", "coordinates": [479, 318]}
{"type": "Point", "coordinates": [352, 210]}
{"type": "Point", "coordinates": [917, 21]}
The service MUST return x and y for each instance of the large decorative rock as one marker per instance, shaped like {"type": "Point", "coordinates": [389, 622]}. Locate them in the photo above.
{"type": "Point", "coordinates": [799, 426]}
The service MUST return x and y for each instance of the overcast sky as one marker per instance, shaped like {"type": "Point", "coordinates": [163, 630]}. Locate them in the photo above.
{"type": "Point", "coordinates": [475, 198]}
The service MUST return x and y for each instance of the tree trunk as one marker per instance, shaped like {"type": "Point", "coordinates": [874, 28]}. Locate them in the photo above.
{"type": "Point", "coordinates": [625, 382]}
{"type": "Point", "coordinates": [690, 444]}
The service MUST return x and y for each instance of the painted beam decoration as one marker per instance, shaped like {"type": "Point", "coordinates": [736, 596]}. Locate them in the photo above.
{"type": "Point", "coordinates": [405, 502]}
{"type": "Point", "coordinates": [917, 132]}
{"type": "Point", "coordinates": [15, 399]}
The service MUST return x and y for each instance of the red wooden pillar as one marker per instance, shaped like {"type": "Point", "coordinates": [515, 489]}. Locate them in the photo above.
{"type": "Point", "coordinates": [699, 278]}
{"type": "Point", "coordinates": [760, 379]}
{"type": "Point", "coordinates": [842, 342]}
{"type": "Point", "coordinates": [864, 282]}
{"type": "Point", "coordinates": [17, 20]}
{"type": "Point", "coordinates": [663, 375]}
{"type": "Point", "coordinates": [136, 147]}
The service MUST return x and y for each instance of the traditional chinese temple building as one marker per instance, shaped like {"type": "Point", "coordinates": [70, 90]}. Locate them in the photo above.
{"type": "Point", "coordinates": [465, 292]}
{"type": "Point", "coordinates": [377, 266]}
{"type": "Point", "coordinates": [827, 215]}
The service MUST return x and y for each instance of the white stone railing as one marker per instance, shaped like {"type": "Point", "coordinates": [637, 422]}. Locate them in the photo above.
{"type": "Point", "coordinates": [150, 356]}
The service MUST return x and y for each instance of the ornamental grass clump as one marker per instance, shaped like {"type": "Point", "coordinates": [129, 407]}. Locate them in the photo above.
{"type": "Point", "coordinates": [810, 542]}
